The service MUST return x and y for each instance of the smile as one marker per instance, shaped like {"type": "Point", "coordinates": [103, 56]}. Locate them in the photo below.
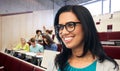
{"type": "Point", "coordinates": [67, 39]}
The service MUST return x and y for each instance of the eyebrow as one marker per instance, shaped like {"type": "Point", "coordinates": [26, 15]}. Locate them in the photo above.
{"type": "Point", "coordinates": [69, 22]}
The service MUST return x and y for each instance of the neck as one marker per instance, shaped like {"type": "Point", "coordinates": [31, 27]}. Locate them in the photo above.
{"type": "Point", "coordinates": [77, 54]}
{"type": "Point", "coordinates": [87, 57]}
{"type": "Point", "coordinates": [22, 44]}
{"type": "Point", "coordinates": [81, 62]}
{"type": "Point", "coordinates": [77, 51]}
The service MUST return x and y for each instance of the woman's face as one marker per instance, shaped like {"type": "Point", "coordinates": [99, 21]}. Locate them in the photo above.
{"type": "Point", "coordinates": [33, 44]}
{"type": "Point", "coordinates": [39, 33]}
{"type": "Point", "coordinates": [70, 39]}
{"type": "Point", "coordinates": [45, 40]}
{"type": "Point", "coordinates": [23, 41]}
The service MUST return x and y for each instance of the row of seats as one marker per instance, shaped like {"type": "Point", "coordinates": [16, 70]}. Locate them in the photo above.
{"type": "Point", "coordinates": [11, 63]}
{"type": "Point", "coordinates": [112, 51]}
{"type": "Point", "coordinates": [106, 36]}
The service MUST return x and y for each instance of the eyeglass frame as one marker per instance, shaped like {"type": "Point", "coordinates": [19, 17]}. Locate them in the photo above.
{"type": "Point", "coordinates": [57, 27]}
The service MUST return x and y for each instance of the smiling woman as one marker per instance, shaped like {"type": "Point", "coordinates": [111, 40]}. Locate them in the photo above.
{"type": "Point", "coordinates": [82, 50]}
{"type": "Point", "coordinates": [69, 37]}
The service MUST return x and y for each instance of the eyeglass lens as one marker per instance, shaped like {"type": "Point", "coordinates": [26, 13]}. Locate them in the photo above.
{"type": "Point", "coordinates": [70, 26]}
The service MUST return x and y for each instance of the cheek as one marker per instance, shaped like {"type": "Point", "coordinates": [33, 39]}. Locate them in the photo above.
{"type": "Point", "coordinates": [79, 32]}
{"type": "Point", "coordinates": [79, 29]}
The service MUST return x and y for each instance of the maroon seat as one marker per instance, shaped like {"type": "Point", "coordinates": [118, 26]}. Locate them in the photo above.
{"type": "Point", "coordinates": [8, 63]}
{"type": "Point", "coordinates": [114, 35]}
{"type": "Point", "coordinates": [1, 70]}
{"type": "Point", "coordinates": [112, 51]}
{"type": "Point", "coordinates": [26, 67]}
{"type": "Point", "coordinates": [2, 59]}
{"type": "Point", "coordinates": [38, 69]}
{"type": "Point", "coordinates": [11, 63]}
{"type": "Point", "coordinates": [16, 64]}
{"type": "Point", "coordinates": [105, 36]}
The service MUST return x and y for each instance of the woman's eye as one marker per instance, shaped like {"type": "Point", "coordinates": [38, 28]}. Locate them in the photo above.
{"type": "Point", "coordinates": [70, 25]}
{"type": "Point", "coordinates": [61, 27]}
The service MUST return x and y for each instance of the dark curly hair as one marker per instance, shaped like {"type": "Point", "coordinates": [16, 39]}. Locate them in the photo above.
{"type": "Point", "coordinates": [38, 31]}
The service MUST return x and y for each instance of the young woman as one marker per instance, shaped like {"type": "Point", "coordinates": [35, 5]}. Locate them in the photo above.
{"type": "Point", "coordinates": [38, 35]}
{"type": "Point", "coordinates": [82, 50]}
{"type": "Point", "coordinates": [49, 44]}
{"type": "Point", "coordinates": [23, 45]}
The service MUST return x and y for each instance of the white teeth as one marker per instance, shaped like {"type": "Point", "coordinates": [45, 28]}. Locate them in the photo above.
{"type": "Point", "coordinates": [68, 38]}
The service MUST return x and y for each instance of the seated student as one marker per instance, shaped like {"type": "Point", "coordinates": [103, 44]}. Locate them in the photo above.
{"type": "Point", "coordinates": [38, 35]}
{"type": "Point", "coordinates": [49, 44]}
{"type": "Point", "coordinates": [36, 48]}
{"type": "Point", "coordinates": [48, 32]}
{"type": "Point", "coordinates": [40, 42]}
{"type": "Point", "coordinates": [23, 45]}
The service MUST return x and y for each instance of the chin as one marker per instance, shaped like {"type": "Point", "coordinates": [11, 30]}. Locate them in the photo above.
{"type": "Point", "coordinates": [69, 46]}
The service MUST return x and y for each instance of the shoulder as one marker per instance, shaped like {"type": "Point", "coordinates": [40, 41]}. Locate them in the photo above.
{"type": "Point", "coordinates": [27, 44]}
{"type": "Point", "coordinates": [31, 46]}
{"type": "Point", "coordinates": [19, 44]}
{"type": "Point", "coordinates": [106, 65]}
{"type": "Point", "coordinates": [55, 45]}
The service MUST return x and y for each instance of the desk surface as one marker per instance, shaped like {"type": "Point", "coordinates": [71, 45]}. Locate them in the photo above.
{"type": "Point", "coordinates": [31, 54]}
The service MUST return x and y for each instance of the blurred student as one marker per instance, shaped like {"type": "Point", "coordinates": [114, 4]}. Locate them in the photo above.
{"type": "Point", "coordinates": [49, 44]}
{"type": "Point", "coordinates": [35, 47]}
{"type": "Point", "coordinates": [23, 45]}
{"type": "Point", "coordinates": [38, 35]}
{"type": "Point", "coordinates": [48, 32]}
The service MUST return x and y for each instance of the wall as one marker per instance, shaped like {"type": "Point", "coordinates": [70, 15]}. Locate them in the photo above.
{"type": "Point", "coordinates": [0, 33]}
{"type": "Point", "coordinates": [24, 25]}
{"type": "Point", "coordinates": [17, 6]}
{"type": "Point", "coordinates": [105, 20]}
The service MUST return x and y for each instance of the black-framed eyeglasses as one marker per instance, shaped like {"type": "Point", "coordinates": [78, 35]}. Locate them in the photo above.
{"type": "Point", "coordinates": [69, 26]}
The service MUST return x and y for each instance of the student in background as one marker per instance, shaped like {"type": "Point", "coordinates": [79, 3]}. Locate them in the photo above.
{"type": "Point", "coordinates": [23, 45]}
{"type": "Point", "coordinates": [40, 42]}
{"type": "Point", "coordinates": [82, 50]}
{"type": "Point", "coordinates": [48, 32]}
{"type": "Point", "coordinates": [38, 35]}
{"type": "Point", "coordinates": [35, 47]}
{"type": "Point", "coordinates": [49, 44]}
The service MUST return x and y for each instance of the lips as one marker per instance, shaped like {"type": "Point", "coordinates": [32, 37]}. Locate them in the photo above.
{"type": "Point", "coordinates": [67, 39]}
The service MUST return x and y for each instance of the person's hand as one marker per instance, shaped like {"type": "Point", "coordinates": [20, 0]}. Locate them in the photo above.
{"type": "Point", "coordinates": [44, 27]}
